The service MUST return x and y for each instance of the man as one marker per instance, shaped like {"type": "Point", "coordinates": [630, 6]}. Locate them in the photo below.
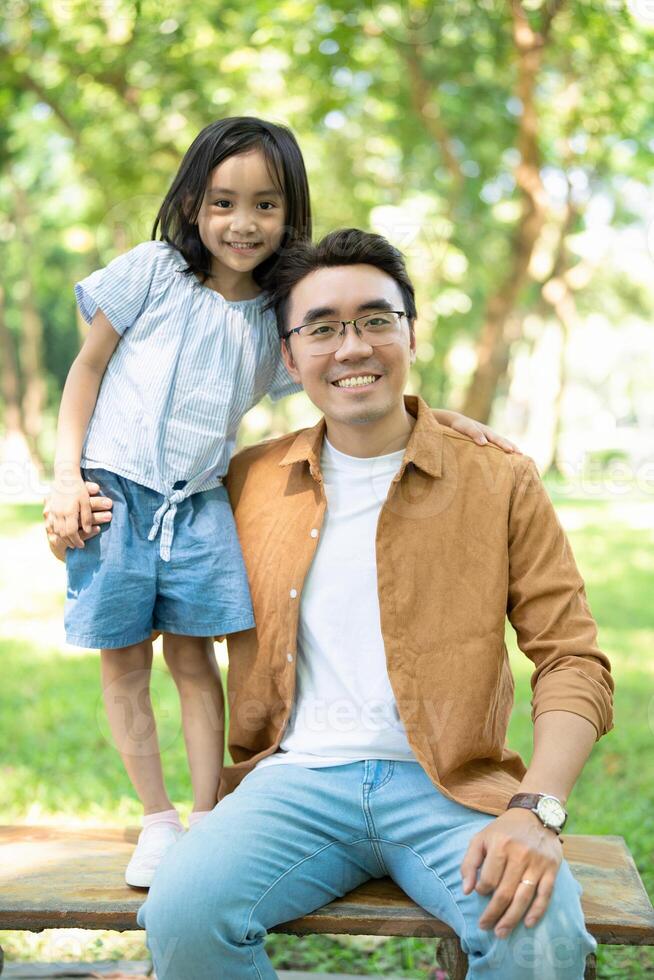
{"type": "Point", "coordinates": [368, 710]}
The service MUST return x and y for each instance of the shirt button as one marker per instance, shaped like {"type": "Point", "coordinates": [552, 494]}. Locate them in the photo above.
{"type": "Point", "coordinates": [289, 657]}
{"type": "Point", "coordinates": [293, 593]}
{"type": "Point", "coordinates": [314, 532]}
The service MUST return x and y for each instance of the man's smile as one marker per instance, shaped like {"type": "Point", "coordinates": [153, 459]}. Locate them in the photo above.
{"type": "Point", "coordinates": [356, 380]}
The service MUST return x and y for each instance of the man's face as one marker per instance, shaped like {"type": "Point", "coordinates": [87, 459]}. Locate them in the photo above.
{"type": "Point", "coordinates": [342, 293]}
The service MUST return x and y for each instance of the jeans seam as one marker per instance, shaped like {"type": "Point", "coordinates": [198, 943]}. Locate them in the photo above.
{"type": "Point", "coordinates": [370, 825]}
{"type": "Point", "coordinates": [297, 864]}
{"type": "Point", "coordinates": [463, 936]}
{"type": "Point", "coordinates": [254, 964]}
{"type": "Point", "coordinates": [391, 767]}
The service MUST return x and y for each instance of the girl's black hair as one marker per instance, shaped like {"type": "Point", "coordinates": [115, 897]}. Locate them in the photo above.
{"type": "Point", "coordinates": [218, 141]}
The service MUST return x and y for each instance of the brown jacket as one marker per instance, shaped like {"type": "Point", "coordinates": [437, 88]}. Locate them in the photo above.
{"type": "Point", "coordinates": [467, 536]}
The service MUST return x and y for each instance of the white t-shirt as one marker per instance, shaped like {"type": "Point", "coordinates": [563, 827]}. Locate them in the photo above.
{"type": "Point", "coordinates": [344, 709]}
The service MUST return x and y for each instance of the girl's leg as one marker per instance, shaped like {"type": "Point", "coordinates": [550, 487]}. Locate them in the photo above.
{"type": "Point", "coordinates": [192, 663]}
{"type": "Point", "coordinates": [126, 688]}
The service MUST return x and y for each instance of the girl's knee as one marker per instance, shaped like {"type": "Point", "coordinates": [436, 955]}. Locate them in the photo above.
{"type": "Point", "coordinates": [126, 659]}
{"type": "Point", "coordinates": [189, 656]}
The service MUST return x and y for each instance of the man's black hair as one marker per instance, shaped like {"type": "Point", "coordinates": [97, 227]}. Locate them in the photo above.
{"type": "Point", "coordinates": [347, 246]}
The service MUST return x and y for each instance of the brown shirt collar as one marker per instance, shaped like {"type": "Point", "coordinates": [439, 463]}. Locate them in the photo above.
{"type": "Point", "coordinates": [424, 448]}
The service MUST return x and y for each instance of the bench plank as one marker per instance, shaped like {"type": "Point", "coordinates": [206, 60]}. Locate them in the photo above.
{"type": "Point", "coordinates": [53, 877]}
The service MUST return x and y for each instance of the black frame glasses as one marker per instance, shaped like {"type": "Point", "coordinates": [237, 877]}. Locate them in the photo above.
{"type": "Point", "coordinates": [340, 337]}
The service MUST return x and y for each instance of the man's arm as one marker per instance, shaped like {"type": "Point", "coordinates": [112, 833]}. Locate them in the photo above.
{"type": "Point", "coordinates": [571, 707]}
{"type": "Point", "coordinates": [548, 609]}
{"type": "Point", "coordinates": [562, 744]}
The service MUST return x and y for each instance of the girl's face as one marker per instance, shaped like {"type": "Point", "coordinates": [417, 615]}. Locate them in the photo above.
{"type": "Point", "coordinates": [241, 220]}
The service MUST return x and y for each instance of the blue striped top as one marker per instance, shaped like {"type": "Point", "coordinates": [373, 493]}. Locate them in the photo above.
{"type": "Point", "coordinates": [187, 368]}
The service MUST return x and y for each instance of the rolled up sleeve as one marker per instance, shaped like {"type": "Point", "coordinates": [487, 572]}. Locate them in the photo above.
{"type": "Point", "coordinates": [549, 611]}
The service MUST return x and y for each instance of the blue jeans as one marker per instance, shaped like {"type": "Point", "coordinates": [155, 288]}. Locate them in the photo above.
{"type": "Point", "coordinates": [289, 839]}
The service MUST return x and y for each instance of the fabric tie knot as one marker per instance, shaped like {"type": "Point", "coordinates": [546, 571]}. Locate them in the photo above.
{"type": "Point", "coordinates": [164, 518]}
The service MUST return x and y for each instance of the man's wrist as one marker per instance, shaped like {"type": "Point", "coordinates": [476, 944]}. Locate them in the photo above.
{"type": "Point", "coordinates": [548, 809]}
{"type": "Point", "coordinates": [525, 817]}
{"type": "Point", "coordinates": [532, 784]}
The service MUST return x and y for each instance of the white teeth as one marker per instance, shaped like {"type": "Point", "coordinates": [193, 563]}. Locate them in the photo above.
{"type": "Point", "coordinates": [368, 379]}
{"type": "Point", "coordinates": [243, 245]}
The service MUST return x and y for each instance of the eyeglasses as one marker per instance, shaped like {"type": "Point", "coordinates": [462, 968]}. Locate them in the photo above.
{"type": "Point", "coordinates": [327, 336]}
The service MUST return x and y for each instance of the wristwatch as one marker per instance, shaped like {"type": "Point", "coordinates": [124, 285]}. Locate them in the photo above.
{"type": "Point", "coordinates": [547, 808]}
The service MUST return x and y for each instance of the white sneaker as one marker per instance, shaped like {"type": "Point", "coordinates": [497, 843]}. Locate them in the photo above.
{"type": "Point", "coordinates": [152, 844]}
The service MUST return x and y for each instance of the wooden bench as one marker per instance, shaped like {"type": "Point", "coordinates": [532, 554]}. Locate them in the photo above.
{"type": "Point", "coordinates": [54, 877]}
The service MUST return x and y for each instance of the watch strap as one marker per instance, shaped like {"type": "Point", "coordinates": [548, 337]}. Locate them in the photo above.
{"type": "Point", "coordinates": [528, 800]}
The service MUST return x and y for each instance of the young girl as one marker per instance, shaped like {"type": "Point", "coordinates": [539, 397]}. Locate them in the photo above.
{"type": "Point", "coordinates": [179, 348]}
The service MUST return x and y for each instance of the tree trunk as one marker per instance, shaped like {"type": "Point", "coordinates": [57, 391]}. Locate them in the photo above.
{"type": "Point", "coordinates": [492, 347]}
{"type": "Point", "coordinates": [558, 292]}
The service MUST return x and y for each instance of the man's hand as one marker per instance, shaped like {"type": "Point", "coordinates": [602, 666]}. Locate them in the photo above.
{"type": "Point", "coordinates": [515, 846]}
{"type": "Point", "coordinates": [101, 513]}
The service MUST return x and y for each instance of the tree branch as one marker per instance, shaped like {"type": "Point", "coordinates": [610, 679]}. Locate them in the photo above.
{"type": "Point", "coordinates": [427, 109]}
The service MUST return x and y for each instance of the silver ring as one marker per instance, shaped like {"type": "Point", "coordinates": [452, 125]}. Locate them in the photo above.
{"type": "Point", "coordinates": [526, 881]}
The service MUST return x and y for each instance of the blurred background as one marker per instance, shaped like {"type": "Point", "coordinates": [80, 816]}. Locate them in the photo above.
{"type": "Point", "coordinates": [507, 148]}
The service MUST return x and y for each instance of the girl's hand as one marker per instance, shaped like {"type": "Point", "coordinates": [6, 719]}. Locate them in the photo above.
{"type": "Point", "coordinates": [101, 514]}
{"type": "Point", "coordinates": [70, 510]}
{"type": "Point", "coordinates": [477, 431]}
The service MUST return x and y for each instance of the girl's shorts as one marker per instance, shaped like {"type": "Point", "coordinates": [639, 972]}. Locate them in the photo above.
{"type": "Point", "coordinates": [120, 590]}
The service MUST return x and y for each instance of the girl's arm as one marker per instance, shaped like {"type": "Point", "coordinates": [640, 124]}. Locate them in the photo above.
{"type": "Point", "coordinates": [477, 431]}
{"type": "Point", "coordinates": [69, 503]}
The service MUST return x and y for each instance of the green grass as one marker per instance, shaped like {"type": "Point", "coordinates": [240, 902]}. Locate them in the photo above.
{"type": "Point", "coordinates": [58, 761]}
{"type": "Point", "coordinates": [15, 518]}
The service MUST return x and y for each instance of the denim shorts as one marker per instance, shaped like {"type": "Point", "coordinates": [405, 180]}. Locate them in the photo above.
{"type": "Point", "coordinates": [120, 590]}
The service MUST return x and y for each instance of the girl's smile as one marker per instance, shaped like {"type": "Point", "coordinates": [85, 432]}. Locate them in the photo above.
{"type": "Point", "coordinates": [241, 221]}
{"type": "Point", "coordinates": [244, 246]}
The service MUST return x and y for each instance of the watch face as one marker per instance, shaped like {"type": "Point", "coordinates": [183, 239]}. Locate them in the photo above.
{"type": "Point", "coordinates": [551, 812]}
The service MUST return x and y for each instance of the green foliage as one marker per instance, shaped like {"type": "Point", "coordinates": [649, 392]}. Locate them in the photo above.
{"type": "Point", "coordinates": [407, 106]}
